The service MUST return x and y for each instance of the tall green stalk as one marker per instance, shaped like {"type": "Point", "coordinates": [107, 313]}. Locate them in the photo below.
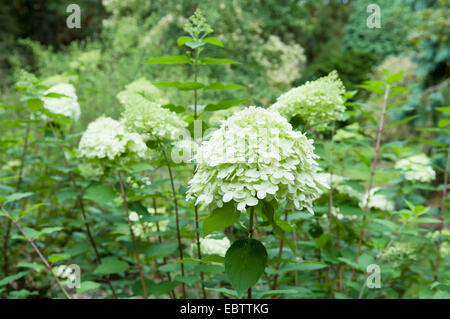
{"type": "Point", "coordinates": [372, 173]}
{"type": "Point", "coordinates": [177, 218]}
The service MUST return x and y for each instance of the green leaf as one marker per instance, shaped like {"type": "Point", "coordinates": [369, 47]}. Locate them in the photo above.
{"type": "Point", "coordinates": [349, 211]}
{"type": "Point", "coordinates": [30, 232]}
{"type": "Point", "coordinates": [57, 257]}
{"type": "Point", "coordinates": [220, 218]}
{"type": "Point", "coordinates": [34, 266]}
{"type": "Point", "coordinates": [245, 262]}
{"type": "Point", "coordinates": [269, 212]}
{"type": "Point", "coordinates": [160, 250]}
{"type": "Point", "coordinates": [432, 143]}
{"type": "Point", "coordinates": [364, 159]}
{"type": "Point", "coordinates": [222, 86]}
{"type": "Point", "coordinates": [373, 88]}
{"type": "Point", "coordinates": [444, 122]}
{"type": "Point", "coordinates": [394, 77]}
{"type": "Point", "coordinates": [224, 105]}
{"type": "Point", "coordinates": [323, 240]}
{"type": "Point", "coordinates": [12, 278]}
{"type": "Point", "coordinates": [55, 95]}
{"type": "Point", "coordinates": [154, 289]}
{"type": "Point", "coordinates": [188, 280]}
{"type": "Point", "coordinates": [87, 286]}
{"type": "Point", "coordinates": [216, 61]}
{"type": "Point", "coordinates": [183, 40]}
{"type": "Point", "coordinates": [178, 59]}
{"type": "Point", "coordinates": [213, 41]}
{"type": "Point", "coordinates": [213, 259]}
{"type": "Point", "coordinates": [303, 266]}
{"type": "Point", "coordinates": [405, 120]}
{"type": "Point", "coordinates": [194, 44]}
{"type": "Point", "coordinates": [369, 116]}
{"type": "Point", "coordinates": [13, 107]}
{"type": "Point", "coordinates": [225, 291]}
{"type": "Point", "coordinates": [101, 194]}
{"type": "Point", "coordinates": [443, 109]}
{"type": "Point", "coordinates": [174, 108]}
{"type": "Point", "coordinates": [140, 166]}
{"type": "Point", "coordinates": [182, 86]}
{"type": "Point", "coordinates": [17, 196]}
{"type": "Point", "coordinates": [112, 266]}
{"type": "Point", "coordinates": [35, 105]}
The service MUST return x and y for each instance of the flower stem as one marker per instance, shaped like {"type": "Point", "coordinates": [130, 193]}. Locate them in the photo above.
{"type": "Point", "coordinates": [197, 228]}
{"type": "Point", "coordinates": [169, 277]}
{"type": "Point", "coordinates": [250, 235]}
{"type": "Point", "coordinates": [372, 174]}
{"type": "Point", "coordinates": [280, 253]}
{"type": "Point", "coordinates": [136, 253]}
{"type": "Point", "coordinates": [177, 219]}
{"type": "Point", "coordinates": [330, 210]}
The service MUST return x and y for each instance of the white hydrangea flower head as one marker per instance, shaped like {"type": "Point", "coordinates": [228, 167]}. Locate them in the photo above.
{"type": "Point", "coordinates": [316, 102]}
{"type": "Point", "coordinates": [143, 112]}
{"type": "Point", "coordinates": [212, 246]}
{"type": "Point", "coordinates": [377, 201]}
{"type": "Point", "coordinates": [416, 168]}
{"type": "Point", "coordinates": [67, 105]}
{"type": "Point", "coordinates": [108, 139]}
{"type": "Point", "coordinates": [339, 185]}
{"type": "Point", "coordinates": [256, 155]}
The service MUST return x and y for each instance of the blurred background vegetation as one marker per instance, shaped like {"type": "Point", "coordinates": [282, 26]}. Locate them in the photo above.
{"type": "Point", "coordinates": [280, 44]}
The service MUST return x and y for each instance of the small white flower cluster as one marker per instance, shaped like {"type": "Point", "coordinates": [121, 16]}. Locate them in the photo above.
{"type": "Point", "coordinates": [417, 168]}
{"type": "Point", "coordinates": [67, 105]}
{"type": "Point", "coordinates": [317, 103]}
{"type": "Point", "coordinates": [256, 155]}
{"type": "Point", "coordinates": [399, 252]}
{"type": "Point", "coordinates": [63, 271]}
{"type": "Point", "coordinates": [143, 112]}
{"type": "Point", "coordinates": [377, 201]}
{"type": "Point", "coordinates": [108, 139]}
{"type": "Point", "coordinates": [212, 246]}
